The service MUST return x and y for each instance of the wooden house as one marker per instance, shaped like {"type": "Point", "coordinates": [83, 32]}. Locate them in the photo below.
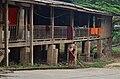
{"type": "Point", "coordinates": [27, 26]}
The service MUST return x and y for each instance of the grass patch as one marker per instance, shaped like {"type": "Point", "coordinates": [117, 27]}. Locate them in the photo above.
{"type": "Point", "coordinates": [115, 50]}
{"type": "Point", "coordinates": [97, 64]}
{"type": "Point", "coordinates": [44, 66]}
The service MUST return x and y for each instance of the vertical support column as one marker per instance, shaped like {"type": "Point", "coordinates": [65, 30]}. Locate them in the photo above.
{"type": "Point", "coordinates": [72, 22]}
{"type": "Point", "coordinates": [58, 51]}
{"type": "Point", "coordinates": [31, 34]}
{"type": "Point", "coordinates": [66, 51]}
{"type": "Point", "coordinates": [109, 45]}
{"type": "Point", "coordinates": [75, 54]}
{"type": "Point", "coordinates": [99, 48]}
{"type": "Point", "coordinates": [6, 33]}
{"type": "Point", "coordinates": [52, 55]}
{"type": "Point", "coordinates": [83, 47]}
{"type": "Point", "coordinates": [0, 25]}
{"type": "Point", "coordinates": [88, 26]}
{"type": "Point", "coordinates": [25, 55]}
{"type": "Point", "coordinates": [72, 19]}
{"type": "Point", "coordinates": [87, 50]}
{"type": "Point", "coordinates": [21, 24]}
{"type": "Point", "coordinates": [52, 23]}
{"type": "Point", "coordinates": [26, 24]}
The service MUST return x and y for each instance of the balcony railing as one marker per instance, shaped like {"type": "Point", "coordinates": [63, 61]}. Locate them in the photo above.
{"type": "Point", "coordinates": [42, 32]}
{"type": "Point", "coordinates": [82, 32]}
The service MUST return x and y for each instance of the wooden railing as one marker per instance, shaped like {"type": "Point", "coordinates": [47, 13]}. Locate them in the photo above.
{"type": "Point", "coordinates": [82, 32]}
{"type": "Point", "coordinates": [42, 32]}
{"type": "Point", "coordinates": [60, 32]}
{"type": "Point", "coordinates": [13, 34]}
{"type": "Point", "coordinates": [45, 32]}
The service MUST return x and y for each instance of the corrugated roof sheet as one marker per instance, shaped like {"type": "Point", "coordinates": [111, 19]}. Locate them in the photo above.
{"type": "Point", "coordinates": [65, 5]}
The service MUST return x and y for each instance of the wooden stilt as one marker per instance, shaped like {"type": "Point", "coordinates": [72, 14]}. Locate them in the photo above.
{"type": "Point", "coordinates": [99, 48]}
{"type": "Point", "coordinates": [6, 34]}
{"type": "Point", "coordinates": [0, 26]}
{"type": "Point", "coordinates": [87, 50]}
{"type": "Point", "coordinates": [31, 34]}
{"type": "Point", "coordinates": [24, 55]}
{"type": "Point", "coordinates": [109, 44]}
{"type": "Point", "coordinates": [52, 54]}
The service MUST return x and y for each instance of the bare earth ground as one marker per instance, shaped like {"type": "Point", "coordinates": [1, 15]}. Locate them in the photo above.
{"type": "Point", "coordinates": [89, 73]}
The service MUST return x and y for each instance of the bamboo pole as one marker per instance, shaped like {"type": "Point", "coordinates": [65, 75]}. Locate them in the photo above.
{"type": "Point", "coordinates": [31, 34]}
{"type": "Point", "coordinates": [6, 34]}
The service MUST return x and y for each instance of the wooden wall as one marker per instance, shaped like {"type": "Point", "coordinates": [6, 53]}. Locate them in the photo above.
{"type": "Point", "coordinates": [106, 25]}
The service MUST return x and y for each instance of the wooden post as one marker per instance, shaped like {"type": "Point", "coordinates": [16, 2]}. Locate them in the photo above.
{"type": "Point", "coordinates": [26, 24]}
{"type": "Point", "coordinates": [58, 51]}
{"type": "Point", "coordinates": [99, 48]}
{"type": "Point", "coordinates": [31, 34]}
{"type": "Point", "coordinates": [21, 23]}
{"type": "Point", "coordinates": [66, 51]}
{"type": "Point", "coordinates": [87, 50]}
{"type": "Point", "coordinates": [72, 19]}
{"type": "Point", "coordinates": [109, 45]}
{"type": "Point", "coordinates": [75, 55]}
{"type": "Point", "coordinates": [52, 23]}
{"type": "Point", "coordinates": [24, 55]}
{"type": "Point", "coordinates": [88, 26]}
{"type": "Point", "coordinates": [6, 34]}
{"type": "Point", "coordinates": [72, 22]}
{"type": "Point", "coordinates": [52, 55]}
{"type": "Point", "coordinates": [83, 47]}
{"type": "Point", "coordinates": [0, 26]}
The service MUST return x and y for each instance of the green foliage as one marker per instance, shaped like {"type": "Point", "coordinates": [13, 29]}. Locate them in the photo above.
{"type": "Point", "coordinates": [115, 50]}
{"type": "Point", "coordinates": [116, 36]}
{"type": "Point", "coordinates": [112, 6]}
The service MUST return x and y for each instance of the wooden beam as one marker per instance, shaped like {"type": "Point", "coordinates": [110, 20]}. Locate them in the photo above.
{"type": "Point", "coordinates": [6, 34]}
{"type": "Point", "coordinates": [87, 50]}
{"type": "Point", "coordinates": [109, 44]}
{"type": "Point", "coordinates": [72, 18]}
{"type": "Point", "coordinates": [0, 26]}
{"type": "Point", "coordinates": [26, 24]}
{"type": "Point", "coordinates": [52, 23]}
{"type": "Point", "coordinates": [21, 23]}
{"type": "Point", "coordinates": [88, 26]}
{"type": "Point", "coordinates": [72, 22]}
{"type": "Point", "coordinates": [99, 48]}
{"type": "Point", "coordinates": [31, 34]}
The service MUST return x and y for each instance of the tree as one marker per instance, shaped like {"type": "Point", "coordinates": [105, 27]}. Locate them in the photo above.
{"type": "Point", "coordinates": [112, 6]}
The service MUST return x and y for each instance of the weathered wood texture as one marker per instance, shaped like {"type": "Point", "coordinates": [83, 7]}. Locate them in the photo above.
{"type": "Point", "coordinates": [31, 33]}
{"type": "Point", "coordinates": [21, 23]}
{"type": "Point", "coordinates": [25, 55]}
{"type": "Point", "coordinates": [99, 48]}
{"type": "Point", "coordinates": [52, 55]}
{"type": "Point", "coordinates": [1, 26]}
{"type": "Point", "coordinates": [87, 50]}
{"type": "Point", "coordinates": [106, 25]}
{"type": "Point", "coordinates": [6, 34]}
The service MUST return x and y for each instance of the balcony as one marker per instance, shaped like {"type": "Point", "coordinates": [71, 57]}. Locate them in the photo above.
{"type": "Point", "coordinates": [42, 32]}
